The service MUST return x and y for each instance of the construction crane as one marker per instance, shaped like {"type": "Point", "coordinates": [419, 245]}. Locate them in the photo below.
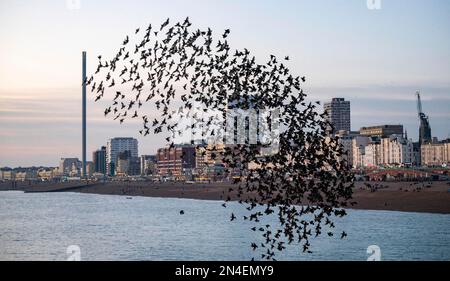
{"type": "Point", "coordinates": [424, 129]}
{"type": "Point", "coordinates": [419, 105]}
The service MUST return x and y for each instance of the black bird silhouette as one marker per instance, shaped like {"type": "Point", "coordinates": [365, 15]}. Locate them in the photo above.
{"type": "Point", "coordinates": [181, 212]}
{"type": "Point", "coordinates": [225, 34]}
{"type": "Point", "coordinates": [164, 24]}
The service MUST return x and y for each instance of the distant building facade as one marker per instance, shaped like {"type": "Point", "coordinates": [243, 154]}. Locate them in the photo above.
{"type": "Point", "coordinates": [338, 114]}
{"type": "Point", "coordinates": [26, 175]}
{"type": "Point", "coordinates": [372, 154]}
{"type": "Point", "coordinates": [48, 174]}
{"type": "Point", "coordinates": [116, 146]}
{"type": "Point", "coordinates": [209, 164]}
{"type": "Point", "coordinates": [173, 161]}
{"type": "Point", "coordinates": [8, 174]}
{"type": "Point", "coordinates": [435, 154]}
{"type": "Point", "coordinates": [148, 165]}
{"type": "Point", "coordinates": [359, 144]}
{"type": "Point", "coordinates": [381, 131]}
{"type": "Point", "coordinates": [127, 164]}
{"type": "Point", "coordinates": [99, 159]}
{"type": "Point", "coordinates": [67, 166]}
{"type": "Point", "coordinates": [90, 169]}
{"type": "Point", "coordinates": [345, 138]}
{"type": "Point", "coordinates": [394, 150]}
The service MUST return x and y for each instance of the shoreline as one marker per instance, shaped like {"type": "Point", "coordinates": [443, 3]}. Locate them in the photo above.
{"type": "Point", "coordinates": [433, 197]}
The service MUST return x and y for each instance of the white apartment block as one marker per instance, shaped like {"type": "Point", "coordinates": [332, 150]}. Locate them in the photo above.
{"type": "Point", "coordinates": [435, 154]}
{"type": "Point", "coordinates": [372, 152]}
{"type": "Point", "coordinates": [359, 144]}
{"type": "Point", "coordinates": [116, 146]}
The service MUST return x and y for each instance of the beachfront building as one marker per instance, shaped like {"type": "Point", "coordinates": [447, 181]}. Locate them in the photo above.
{"type": "Point", "coordinates": [379, 145]}
{"type": "Point", "coordinates": [47, 174]}
{"type": "Point", "coordinates": [372, 154]}
{"type": "Point", "coordinates": [122, 164]}
{"type": "Point", "coordinates": [127, 164]}
{"type": "Point", "coordinates": [89, 168]}
{"type": "Point", "coordinates": [29, 174]}
{"type": "Point", "coordinates": [209, 155]}
{"type": "Point", "coordinates": [116, 146]}
{"type": "Point", "coordinates": [173, 162]}
{"type": "Point", "coordinates": [6, 173]}
{"type": "Point", "coordinates": [390, 151]}
{"type": "Point", "coordinates": [209, 164]}
{"type": "Point", "coordinates": [396, 150]}
{"type": "Point", "coordinates": [75, 170]}
{"type": "Point", "coordinates": [436, 154]}
{"type": "Point", "coordinates": [345, 138]}
{"type": "Point", "coordinates": [99, 159]}
{"type": "Point", "coordinates": [67, 166]}
{"type": "Point", "coordinates": [147, 165]}
{"type": "Point", "coordinates": [381, 131]}
{"type": "Point", "coordinates": [359, 144]}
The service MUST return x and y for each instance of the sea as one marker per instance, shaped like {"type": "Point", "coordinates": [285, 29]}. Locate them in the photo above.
{"type": "Point", "coordinates": [75, 226]}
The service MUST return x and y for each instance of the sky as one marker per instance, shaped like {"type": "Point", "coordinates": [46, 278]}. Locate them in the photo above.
{"type": "Point", "coordinates": [376, 58]}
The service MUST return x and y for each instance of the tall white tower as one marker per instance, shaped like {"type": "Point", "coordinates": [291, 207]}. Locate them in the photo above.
{"type": "Point", "coordinates": [83, 103]}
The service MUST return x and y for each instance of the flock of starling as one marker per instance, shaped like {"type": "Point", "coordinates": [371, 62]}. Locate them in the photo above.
{"type": "Point", "coordinates": [174, 70]}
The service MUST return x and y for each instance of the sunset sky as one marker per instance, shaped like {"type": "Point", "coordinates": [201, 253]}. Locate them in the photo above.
{"type": "Point", "coordinates": [377, 59]}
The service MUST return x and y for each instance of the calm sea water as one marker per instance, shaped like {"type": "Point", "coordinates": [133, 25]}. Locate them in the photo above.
{"type": "Point", "coordinates": [41, 226]}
